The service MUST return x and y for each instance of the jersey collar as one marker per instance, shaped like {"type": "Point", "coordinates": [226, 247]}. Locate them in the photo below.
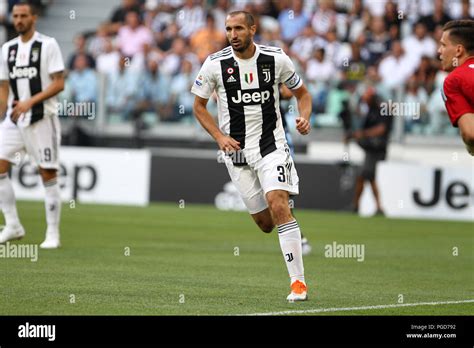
{"type": "Point", "coordinates": [251, 59]}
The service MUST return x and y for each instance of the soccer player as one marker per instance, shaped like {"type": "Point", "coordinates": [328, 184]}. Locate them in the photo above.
{"type": "Point", "coordinates": [250, 134]}
{"type": "Point", "coordinates": [456, 52]}
{"type": "Point", "coordinates": [31, 75]}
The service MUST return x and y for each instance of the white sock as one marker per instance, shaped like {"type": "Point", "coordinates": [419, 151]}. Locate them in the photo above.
{"type": "Point", "coordinates": [52, 204]}
{"type": "Point", "coordinates": [7, 201]}
{"type": "Point", "coordinates": [290, 243]}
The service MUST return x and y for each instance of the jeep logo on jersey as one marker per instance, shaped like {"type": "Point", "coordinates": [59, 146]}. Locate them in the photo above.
{"type": "Point", "coordinates": [251, 98]}
{"type": "Point", "coordinates": [23, 72]}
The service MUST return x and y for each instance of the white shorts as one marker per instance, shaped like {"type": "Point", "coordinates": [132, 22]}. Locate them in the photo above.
{"type": "Point", "coordinates": [275, 171]}
{"type": "Point", "coordinates": [41, 141]}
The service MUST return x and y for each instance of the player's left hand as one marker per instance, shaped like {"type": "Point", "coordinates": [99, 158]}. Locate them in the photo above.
{"type": "Point", "coordinates": [302, 125]}
{"type": "Point", "coordinates": [20, 107]}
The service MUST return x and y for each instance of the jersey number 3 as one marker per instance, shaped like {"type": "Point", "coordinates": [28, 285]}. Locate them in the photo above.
{"type": "Point", "coordinates": [281, 172]}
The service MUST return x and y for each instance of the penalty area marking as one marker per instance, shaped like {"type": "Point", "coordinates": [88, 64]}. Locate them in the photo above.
{"type": "Point", "coordinates": [362, 308]}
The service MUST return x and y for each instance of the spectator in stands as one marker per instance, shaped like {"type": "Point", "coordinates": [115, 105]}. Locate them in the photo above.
{"type": "Point", "coordinates": [438, 17]}
{"type": "Point", "coordinates": [324, 18]}
{"type": "Point", "coordinates": [190, 18]}
{"type": "Point", "coordinates": [425, 74]}
{"type": "Point", "coordinates": [118, 16]}
{"type": "Point", "coordinates": [80, 48]}
{"type": "Point", "coordinates": [372, 137]}
{"type": "Point", "coordinates": [82, 81]}
{"type": "Point", "coordinates": [164, 40]}
{"type": "Point", "coordinates": [417, 98]}
{"type": "Point", "coordinates": [303, 46]}
{"type": "Point", "coordinates": [133, 36]}
{"type": "Point", "coordinates": [171, 64]}
{"type": "Point", "coordinates": [320, 69]}
{"type": "Point", "coordinates": [419, 44]}
{"type": "Point", "coordinates": [396, 68]}
{"type": "Point", "coordinates": [154, 92]}
{"type": "Point", "coordinates": [108, 61]}
{"type": "Point", "coordinates": [355, 69]}
{"type": "Point", "coordinates": [377, 40]}
{"type": "Point", "coordinates": [180, 97]}
{"type": "Point", "coordinates": [122, 88]}
{"type": "Point", "coordinates": [393, 20]}
{"type": "Point", "coordinates": [208, 40]}
{"type": "Point", "coordinates": [220, 11]}
{"type": "Point", "coordinates": [467, 10]}
{"type": "Point", "coordinates": [293, 21]}
{"type": "Point", "coordinates": [98, 43]}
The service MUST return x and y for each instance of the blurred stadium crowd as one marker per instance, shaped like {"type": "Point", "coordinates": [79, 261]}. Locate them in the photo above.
{"type": "Point", "coordinates": [150, 52]}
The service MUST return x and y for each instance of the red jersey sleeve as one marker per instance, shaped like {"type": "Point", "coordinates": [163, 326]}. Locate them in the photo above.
{"type": "Point", "coordinates": [456, 102]}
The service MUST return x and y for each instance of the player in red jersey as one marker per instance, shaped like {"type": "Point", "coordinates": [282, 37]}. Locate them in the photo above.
{"type": "Point", "coordinates": [457, 56]}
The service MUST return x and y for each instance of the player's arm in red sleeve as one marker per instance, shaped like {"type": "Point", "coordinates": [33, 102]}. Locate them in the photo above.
{"type": "Point", "coordinates": [460, 112]}
{"type": "Point", "coordinates": [466, 126]}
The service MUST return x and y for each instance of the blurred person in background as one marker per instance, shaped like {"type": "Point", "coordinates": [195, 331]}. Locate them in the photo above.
{"type": "Point", "coordinates": [80, 43]}
{"type": "Point", "coordinates": [456, 52]}
{"type": "Point", "coordinates": [154, 92]}
{"type": "Point", "coordinates": [377, 40]}
{"type": "Point", "coordinates": [190, 18]}
{"type": "Point", "coordinates": [293, 20]}
{"type": "Point", "coordinates": [207, 40]}
{"type": "Point", "coordinates": [82, 81]}
{"type": "Point", "coordinates": [122, 90]}
{"type": "Point", "coordinates": [324, 19]}
{"type": "Point", "coordinates": [180, 98]}
{"type": "Point", "coordinates": [396, 68]}
{"type": "Point", "coordinates": [419, 44]}
{"type": "Point", "coordinates": [133, 36]}
{"type": "Point", "coordinates": [438, 17]}
{"type": "Point", "coordinates": [117, 19]}
{"type": "Point", "coordinates": [108, 61]}
{"type": "Point", "coordinates": [372, 136]}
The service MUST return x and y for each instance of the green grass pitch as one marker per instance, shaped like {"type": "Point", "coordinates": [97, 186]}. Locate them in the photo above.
{"type": "Point", "coordinates": [183, 261]}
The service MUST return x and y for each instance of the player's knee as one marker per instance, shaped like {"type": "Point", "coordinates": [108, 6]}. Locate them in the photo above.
{"type": "Point", "coordinates": [266, 226]}
{"type": "Point", "coordinates": [280, 210]}
{"type": "Point", "coordinates": [4, 166]}
{"type": "Point", "coordinates": [47, 174]}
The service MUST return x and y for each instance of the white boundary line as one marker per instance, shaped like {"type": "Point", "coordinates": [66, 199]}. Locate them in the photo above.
{"type": "Point", "coordinates": [323, 310]}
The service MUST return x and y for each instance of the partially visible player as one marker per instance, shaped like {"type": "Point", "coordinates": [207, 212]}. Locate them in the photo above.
{"type": "Point", "coordinates": [456, 52]}
{"type": "Point", "coordinates": [31, 75]}
{"type": "Point", "coordinates": [250, 134]}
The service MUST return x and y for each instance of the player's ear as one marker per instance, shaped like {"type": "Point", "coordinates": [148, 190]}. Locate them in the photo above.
{"type": "Point", "coordinates": [459, 50]}
{"type": "Point", "coordinates": [253, 29]}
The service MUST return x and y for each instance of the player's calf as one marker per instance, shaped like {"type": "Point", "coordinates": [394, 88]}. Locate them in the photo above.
{"type": "Point", "coordinates": [264, 221]}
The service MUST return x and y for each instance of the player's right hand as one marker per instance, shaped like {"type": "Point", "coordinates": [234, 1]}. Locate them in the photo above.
{"type": "Point", "coordinates": [228, 144]}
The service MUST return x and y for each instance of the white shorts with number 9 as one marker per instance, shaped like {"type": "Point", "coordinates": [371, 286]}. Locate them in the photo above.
{"type": "Point", "coordinates": [41, 141]}
{"type": "Point", "coordinates": [275, 171]}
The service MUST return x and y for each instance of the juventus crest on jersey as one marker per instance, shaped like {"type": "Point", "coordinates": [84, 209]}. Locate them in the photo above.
{"type": "Point", "coordinates": [28, 66]}
{"type": "Point", "coordinates": [248, 96]}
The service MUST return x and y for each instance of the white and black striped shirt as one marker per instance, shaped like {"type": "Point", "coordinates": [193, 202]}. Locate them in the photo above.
{"type": "Point", "coordinates": [28, 66]}
{"type": "Point", "coordinates": [248, 96]}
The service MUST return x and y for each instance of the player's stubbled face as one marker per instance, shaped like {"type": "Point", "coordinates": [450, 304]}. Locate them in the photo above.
{"type": "Point", "coordinates": [22, 18]}
{"type": "Point", "coordinates": [239, 35]}
{"type": "Point", "coordinates": [447, 52]}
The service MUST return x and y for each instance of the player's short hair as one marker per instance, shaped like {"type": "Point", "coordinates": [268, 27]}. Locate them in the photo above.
{"type": "Point", "coordinates": [249, 20]}
{"type": "Point", "coordinates": [33, 9]}
{"type": "Point", "coordinates": [461, 31]}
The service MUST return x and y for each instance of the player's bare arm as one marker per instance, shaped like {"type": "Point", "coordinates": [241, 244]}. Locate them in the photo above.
{"type": "Point", "coordinates": [226, 143]}
{"type": "Point", "coordinates": [56, 86]}
{"type": "Point", "coordinates": [4, 89]}
{"type": "Point", "coordinates": [466, 127]}
{"type": "Point", "coordinates": [304, 107]}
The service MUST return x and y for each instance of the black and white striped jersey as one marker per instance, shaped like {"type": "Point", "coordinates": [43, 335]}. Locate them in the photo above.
{"type": "Point", "coordinates": [248, 96]}
{"type": "Point", "coordinates": [28, 66]}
